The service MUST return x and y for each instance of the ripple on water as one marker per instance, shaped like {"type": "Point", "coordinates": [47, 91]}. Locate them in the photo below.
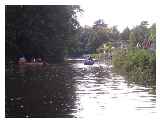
{"type": "Point", "coordinates": [94, 91]}
{"type": "Point", "coordinates": [110, 87]}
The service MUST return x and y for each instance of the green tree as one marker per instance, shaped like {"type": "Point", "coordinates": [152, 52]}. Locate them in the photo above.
{"type": "Point", "coordinates": [132, 40]}
{"type": "Point", "coordinates": [114, 33]}
{"type": "Point", "coordinates": [141, 31]}
{"type": "Point", "coordinates": [152, 32]}
{"type": "Point", "coordinates": [125, 34]}
{"type": "Point", "coordinates": [39, 31]}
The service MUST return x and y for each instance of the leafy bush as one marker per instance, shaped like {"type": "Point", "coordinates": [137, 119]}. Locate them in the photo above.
{"type": "Point", "coordinates": [138, 65]}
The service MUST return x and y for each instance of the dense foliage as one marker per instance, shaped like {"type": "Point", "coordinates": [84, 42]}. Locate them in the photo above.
{"type": "Point", "coordinates": [39, 31]}
{"type": "Point", "coordinates": [138, 65]}
{"type": "Point", "coordinates": [89, 39]}
{"type": "Point", "coordinates": [142, 32]}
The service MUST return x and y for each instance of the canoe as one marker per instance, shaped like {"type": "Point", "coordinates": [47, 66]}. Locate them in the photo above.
{"type": "Point", "coordinates": [88, 62]}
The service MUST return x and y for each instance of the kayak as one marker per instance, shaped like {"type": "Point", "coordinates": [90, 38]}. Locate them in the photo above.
{"type": "Point", "coordinates": [88, 62]}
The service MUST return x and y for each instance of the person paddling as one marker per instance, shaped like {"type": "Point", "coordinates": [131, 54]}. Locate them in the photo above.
{"type": "Point", "coordinates": [90, 58]}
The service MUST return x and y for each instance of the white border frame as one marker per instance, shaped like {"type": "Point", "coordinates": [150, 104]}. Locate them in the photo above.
{"type": "Point", "coordinates": [68, 2]}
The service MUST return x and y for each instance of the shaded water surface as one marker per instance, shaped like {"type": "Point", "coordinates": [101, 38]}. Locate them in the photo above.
{"type": "Point", "coordinates": [73, 90]}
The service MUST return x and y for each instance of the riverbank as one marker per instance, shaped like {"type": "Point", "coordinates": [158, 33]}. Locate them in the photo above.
{"type": "Point", "coordinates": [137, 65]}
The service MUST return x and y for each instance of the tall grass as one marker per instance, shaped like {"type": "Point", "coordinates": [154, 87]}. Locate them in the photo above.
{"type": "Point", "coordinates": [138, 65]}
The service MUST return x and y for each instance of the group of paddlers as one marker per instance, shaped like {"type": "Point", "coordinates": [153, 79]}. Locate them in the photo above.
{"type": "Point", "coordinates": [89, 61]}
{"type": "Point", "coordinates": [23, 60]}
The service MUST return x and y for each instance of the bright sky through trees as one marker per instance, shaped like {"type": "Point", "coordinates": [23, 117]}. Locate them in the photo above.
{"type": "Point", "coordinates": [119, 12]}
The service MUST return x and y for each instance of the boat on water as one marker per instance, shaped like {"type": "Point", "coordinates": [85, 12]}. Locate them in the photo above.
{"type": "Point", "coordinates": [32, 63]}
{"type": "Point", "coordinates": [88, 62]}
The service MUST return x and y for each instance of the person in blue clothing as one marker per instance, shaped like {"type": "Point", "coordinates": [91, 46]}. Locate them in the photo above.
{"type": "Point", "coordinates": [90, 58]}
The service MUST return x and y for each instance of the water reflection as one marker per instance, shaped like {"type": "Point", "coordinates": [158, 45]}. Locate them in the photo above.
{"type": "Point", "coordinates": [101, 92]}
{"type": "Point", "coordinates": [73, 90]}
{"type": "Point", "coordinates": [40, 92]}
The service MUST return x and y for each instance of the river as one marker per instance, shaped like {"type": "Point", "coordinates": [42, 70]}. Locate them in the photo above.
{"type": "Point", "coordinates": [73, 90]}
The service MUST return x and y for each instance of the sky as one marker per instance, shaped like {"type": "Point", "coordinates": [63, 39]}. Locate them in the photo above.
{"type": "Point", "coordinates": [122, 13]}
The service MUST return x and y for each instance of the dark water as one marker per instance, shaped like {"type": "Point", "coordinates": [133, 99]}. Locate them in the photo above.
{"type": "Point", "coordinates": [73, 90]}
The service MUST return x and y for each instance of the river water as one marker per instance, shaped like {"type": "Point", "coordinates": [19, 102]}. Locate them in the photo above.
{"type": "Point", "coordinates": [73, 90]}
